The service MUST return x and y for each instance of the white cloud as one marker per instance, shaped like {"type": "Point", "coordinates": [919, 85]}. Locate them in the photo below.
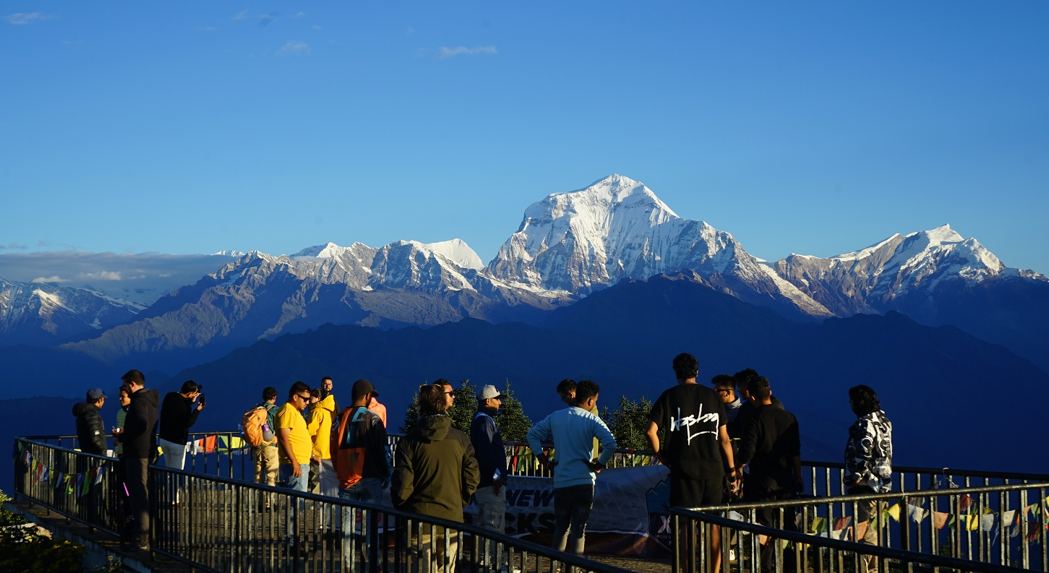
{"type": "Point", "coordinates": [100, 276]}
{"type": "Point", "coordinates": [13, 246]}
{"type": "Point", "coordinates": [23, 18]}
{"type": "Point", "coordinates": [51, 279]}
{"type": "Point", "coordinates": [242, 15]}
{"type": "Point", "coordinates": [294, 48]}
{"type": "Point", "coordinates": [301, 14]}
{"type": "Point", "coordinates": [446, 52]}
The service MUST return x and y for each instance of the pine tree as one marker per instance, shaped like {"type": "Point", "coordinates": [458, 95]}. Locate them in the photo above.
{"type": "Point", "coordinates": [512, 422]}
{"type": "Point", "coordinates": [461, 412]}
{"type": "Point", "coordinates": [629, 422]}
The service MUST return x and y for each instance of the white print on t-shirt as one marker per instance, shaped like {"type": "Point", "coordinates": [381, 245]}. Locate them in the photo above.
{"type": "Point", "coordinates": [687, 423]}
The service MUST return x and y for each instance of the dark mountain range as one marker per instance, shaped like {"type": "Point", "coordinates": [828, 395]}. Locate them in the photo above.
{"type": "Point", "coordinates": [933, 382]}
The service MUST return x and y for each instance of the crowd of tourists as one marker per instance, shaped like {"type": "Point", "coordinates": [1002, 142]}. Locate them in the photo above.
{"type": "Point", "coordinates": [721, 442]}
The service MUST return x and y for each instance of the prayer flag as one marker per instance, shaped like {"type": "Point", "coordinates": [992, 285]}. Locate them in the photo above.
{"type": "Point", "coordinates": [818, 525]}
{"type": "Point", "coordinates": [894, 512]}
{"type": "Point", "coordinates": [917, 514]}
{"type": "Point", "coordinates": [83, 483]}
{"type": "Point", "coordinates": [972, 522]}
{"type": "Point", "coordinates": [964, 502]}
{"type": "Point", "coordinates": [987, 521]}
{"type": "Point", "coordinates": [99, 471]}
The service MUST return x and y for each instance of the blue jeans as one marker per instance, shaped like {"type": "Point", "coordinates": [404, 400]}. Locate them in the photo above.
{"type": "Point", "coordinates": [295, 484]}
{"type": "Point", "coordinates": [368, 490]}
{"type": "Point", "coordinates": [572, 507]}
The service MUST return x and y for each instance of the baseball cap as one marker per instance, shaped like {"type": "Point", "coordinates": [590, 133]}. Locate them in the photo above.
{"type": "Point", "coordinates": [362, 387]}
{"type": "Point", "coordinates": [488, 391]}
{"type": "Point", "coordinates": [94, 394]}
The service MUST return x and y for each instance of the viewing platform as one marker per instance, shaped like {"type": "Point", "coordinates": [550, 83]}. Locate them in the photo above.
{"type": "Point", "coordinates": [209, 518]}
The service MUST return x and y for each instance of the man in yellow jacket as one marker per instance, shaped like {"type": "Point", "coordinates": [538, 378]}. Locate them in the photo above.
{"type": "Point", "coordinates": [319, 426]}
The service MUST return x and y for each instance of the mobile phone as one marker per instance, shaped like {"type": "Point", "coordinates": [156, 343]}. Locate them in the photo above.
{"type": "Point", "coordinates": [202, 400]}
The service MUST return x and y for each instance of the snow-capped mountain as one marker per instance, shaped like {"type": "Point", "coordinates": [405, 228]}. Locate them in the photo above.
{"type": "Point", "coordinates": [899, 273]}
{"type": "Point", "coordinates": [43, 313]}
{"type": "Point", "coordinates": [617, 228]}
{"type": "Point", "coordinates": [569, 246]}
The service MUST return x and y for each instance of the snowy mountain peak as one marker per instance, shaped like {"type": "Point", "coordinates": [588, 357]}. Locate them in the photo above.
{"type": "Point", "coordinates": [455, 250]}
{"type": "Point", "coordinates": [593, 206]}
{"type": "Point", "coordinates": [326, 251]}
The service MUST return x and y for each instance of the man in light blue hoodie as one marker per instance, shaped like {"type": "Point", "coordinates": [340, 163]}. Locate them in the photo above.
{"type": "Point", "coordinates": [572, 431]}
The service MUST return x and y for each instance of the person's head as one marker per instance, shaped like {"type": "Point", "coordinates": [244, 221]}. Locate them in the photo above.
{"type": "Point", "coordinates": [326, 386]}
{"type": "Point", "coordinates": [686, 367]}
{"type": "Point", "coordinates": [743, 378]}
{"type": "Point", "coordinates": [586, 394]}
{"type": "Point", "coordinates": [190, 389]}
{"type": "Point", "coordinates": [299, 395]}
{"type": "Point", "coordinates": [566, 389]}
{"type": "Point", "coordinates": [124, 397]}
{"type": "Point", "coordinates": [96, 396]}
{"type": "Point", "coordinates": [432, 400]}
{"type": "Point", "coordinates": [448, 391]}
{"type": "Point", "coordinates": [134, 380]}
{"type": "Point", "coordinates": [269, 394]}
{"type": "Point", "coordinates": [725, 386]}
{"type": "Point", "coordinates": [363, 393]}
{"type": "Point", "coordinates": [760, 391]}
{"type": "Point", "coordinates": [315, 395]}
{"type": "Point", "coordinates": [489, 399]}
{"type": "Point", "coordinates": [863, 400]}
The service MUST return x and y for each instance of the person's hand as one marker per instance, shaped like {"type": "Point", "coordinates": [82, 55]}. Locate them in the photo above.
{"type": "Point", "coordinates": [595, 467]}
{"type": "Point", "coordinates": [385, 484]}
{"type": "Point", "coordinates": [497, 485]}
{"type": "Point", "coordinates": [296, 470]}
{"type": "Point", "coordinates": [200, 405]}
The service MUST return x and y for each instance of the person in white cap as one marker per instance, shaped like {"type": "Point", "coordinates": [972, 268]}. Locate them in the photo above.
{"type": "Point", "coordinates": [491, 461]}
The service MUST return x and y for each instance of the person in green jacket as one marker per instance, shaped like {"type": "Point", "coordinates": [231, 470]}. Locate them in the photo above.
{"type": "Point", "coordinates": [435, 475]}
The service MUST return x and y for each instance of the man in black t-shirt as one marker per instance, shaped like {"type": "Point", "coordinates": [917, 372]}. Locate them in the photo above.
{"type": "Point", "coordinates": [698, 448]}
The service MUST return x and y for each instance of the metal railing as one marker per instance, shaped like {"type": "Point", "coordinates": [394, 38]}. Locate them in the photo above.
{"type": "Point", "coordinates": [987, 528]}
{"type": "Point", "coordinates": [221, 524]}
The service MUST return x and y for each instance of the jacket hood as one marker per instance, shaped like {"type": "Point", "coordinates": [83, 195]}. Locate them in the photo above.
{"type": "Point", "coordinates": [433, 428]}
{"type": "Point", "coordinates": [149, 395]}
{"type": "Point", "coordinates": [81, 407]}
{"type": "Point", "coordinates": [328, 403]}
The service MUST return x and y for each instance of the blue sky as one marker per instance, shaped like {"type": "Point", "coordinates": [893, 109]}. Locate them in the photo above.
{"type": "Point", "coordinates": [815, 128]}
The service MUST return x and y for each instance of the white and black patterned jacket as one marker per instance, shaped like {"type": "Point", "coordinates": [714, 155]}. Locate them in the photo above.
{"type": "Point", "coordinates": [868, 453]}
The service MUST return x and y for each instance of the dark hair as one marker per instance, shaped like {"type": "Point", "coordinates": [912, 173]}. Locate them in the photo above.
{"type": "Point", "coordinates": [134, 377]}
{"type": "Point", "coordinates": [431, 399]}
{"type": "Point", "coordinates": [323, 378]}
{"type": "Point", "coordinates": [190, 386]}
{"type": "Point", "coordinates": [686, 366]}
{"type": "Point", "coordinates": [441, 382]}
{"type": "Point", "coordinates": [864, 400]}
{"type": "Point", "coordinates": [269, 393]}
{"type": "Point", "coordinates": [585, 390]}
{"type": "Point", "coordinates": [565, 386]}
{"type": "Point", "coordinates": [723, 380]}
{"type": "Point", "coordinates": [298, 388]}
{"type": "Point", "coordinates": [743, 378]}
{"type": "Point", "coordinates": [315, 393]}
{"type": "Point", "coordinates": [759, 387]}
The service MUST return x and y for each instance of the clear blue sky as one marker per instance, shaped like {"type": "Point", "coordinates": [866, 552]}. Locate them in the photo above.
{"type": "Point", "coordinates": [816, 128]}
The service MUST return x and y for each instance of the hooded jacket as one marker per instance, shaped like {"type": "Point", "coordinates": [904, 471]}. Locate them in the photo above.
{"type": "Point", "coordinates": [868, 452]}
{"type": "Point", "coordinates": [435, 473]}
{"type": "Point", "coordinates": [319, 426]}
{"type": "Point", "coordinates": [140, 425]}
{"type": "Point", "coordinates": [90, 431]}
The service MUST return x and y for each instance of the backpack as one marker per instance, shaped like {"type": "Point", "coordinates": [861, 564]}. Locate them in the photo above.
{"type": "Point", "coordinates": [256, 427]}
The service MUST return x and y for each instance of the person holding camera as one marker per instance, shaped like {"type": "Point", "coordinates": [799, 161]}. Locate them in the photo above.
{"type": "Point", "coordinates": [177, 416]}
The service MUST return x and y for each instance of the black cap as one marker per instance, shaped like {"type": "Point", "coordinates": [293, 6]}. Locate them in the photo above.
{"type": "Point", "coordinates": [363, 387]}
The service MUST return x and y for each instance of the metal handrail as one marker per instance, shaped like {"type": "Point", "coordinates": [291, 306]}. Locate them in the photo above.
{"type": "Point", "coordinates": [915, 531]}
{"type": "Point", "coordinates": [835, 549]}
{"type": "Point", "coordinates": [222, 524]}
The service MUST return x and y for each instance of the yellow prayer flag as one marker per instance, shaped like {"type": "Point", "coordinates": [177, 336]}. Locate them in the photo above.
{"type": "Point", "coordinates": [894, 511]}
{"type": "Point", "coordinates": [972, 522]}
